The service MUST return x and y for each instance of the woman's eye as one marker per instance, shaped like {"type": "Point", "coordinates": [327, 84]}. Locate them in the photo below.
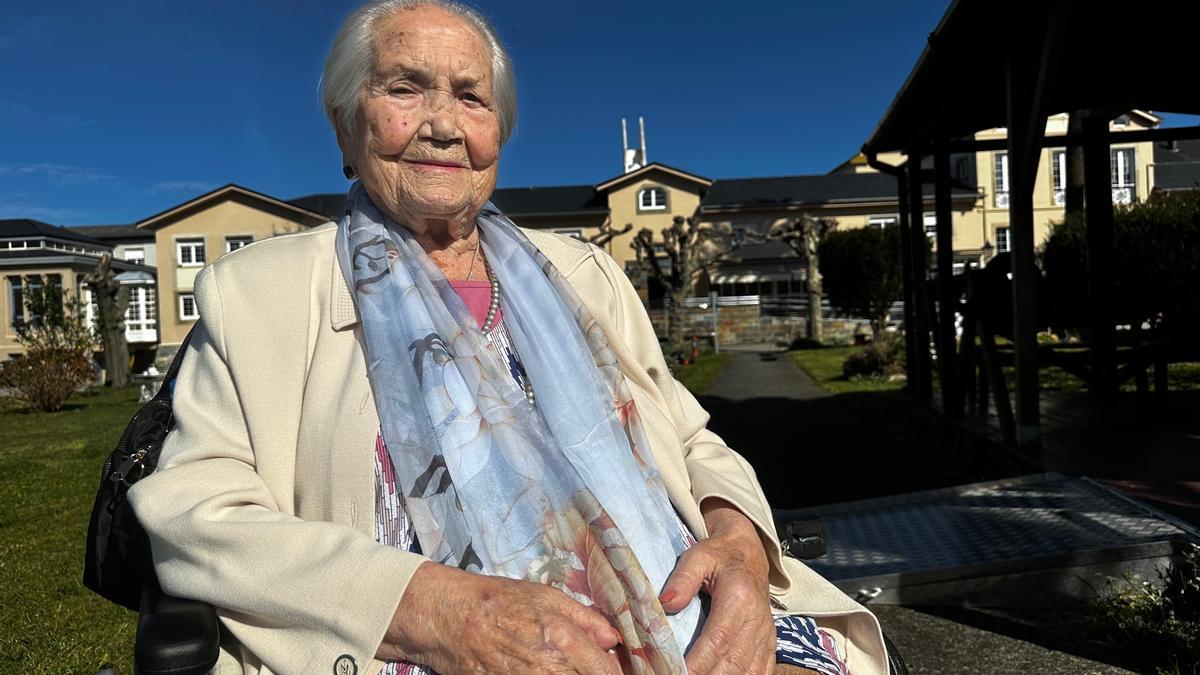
{"type": "Point", "coordinates": [401, 90]}
{"type": "Point", "coordinates": [471, 99]}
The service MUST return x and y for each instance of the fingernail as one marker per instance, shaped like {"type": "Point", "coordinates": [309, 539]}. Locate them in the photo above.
{"type": "Point", "coordinates": [667, 596]}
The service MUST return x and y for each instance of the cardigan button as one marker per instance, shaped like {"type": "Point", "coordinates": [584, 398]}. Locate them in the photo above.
{"type": "Point", "coordinates": [345, 665]}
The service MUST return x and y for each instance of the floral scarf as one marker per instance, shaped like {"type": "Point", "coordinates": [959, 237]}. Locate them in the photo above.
{"type": "Point", "coordinates": [563, 493]}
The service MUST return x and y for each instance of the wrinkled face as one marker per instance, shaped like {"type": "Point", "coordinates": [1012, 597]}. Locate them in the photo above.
{"type": "Point", "coordinates": [427, 136]}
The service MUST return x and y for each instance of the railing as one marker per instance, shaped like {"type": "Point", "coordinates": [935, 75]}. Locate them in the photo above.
{"type": "Point", "coordinates": [1002, 200]}
{"type": "Point", "coordinates": [1122, 194]}
{"type": "Point", "coordinates": [776, 305]}
{"type": "Point", "coordinates": [141, 335]}
{"type": "Point", "coordinates": [1060, 197]}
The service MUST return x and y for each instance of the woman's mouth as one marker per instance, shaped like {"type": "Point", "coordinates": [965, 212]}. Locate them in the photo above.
{"type": "Point", "coordinates": [435, 165]}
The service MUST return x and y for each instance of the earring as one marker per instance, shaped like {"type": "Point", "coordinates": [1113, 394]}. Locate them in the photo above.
{"type": "Point", "coordinates": [349, 172]}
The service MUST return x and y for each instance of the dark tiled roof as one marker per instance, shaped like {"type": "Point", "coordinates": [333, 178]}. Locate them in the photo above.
{"type": "Point", "coordinates": [329, 204]}
{"type": "Point", "coordinates": [797, 190]}
{"type": "Point", "coordinates": [531, 201]}
{"type": "Point", "coordinates": [113, 233]}
{"type": "Point", "coordinates": [1177, 165]}
{"type": "Point", "coordinates": [25, 227]}
{"type": "Point", "coordinates": [535, 201]}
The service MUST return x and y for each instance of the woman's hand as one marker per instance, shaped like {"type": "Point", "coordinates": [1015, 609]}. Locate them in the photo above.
{"type": "Point", "coordinates": [731, 565]}
{"type": "Point", "coordinates": [457, 622]}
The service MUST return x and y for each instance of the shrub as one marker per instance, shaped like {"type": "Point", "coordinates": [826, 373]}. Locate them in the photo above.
{"type": "Point", "coordinates": [1160, 620]}
{"type": "Point", "coordinates": [1154, 272]}
{"type": "Point", "coordinates": [882, 357]}
{"type": "Point", "coordinates": [58, 350]}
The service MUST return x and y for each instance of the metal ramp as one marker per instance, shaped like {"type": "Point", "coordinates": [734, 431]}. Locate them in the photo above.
{"type": "Point", "coordinates": [1034, 541]}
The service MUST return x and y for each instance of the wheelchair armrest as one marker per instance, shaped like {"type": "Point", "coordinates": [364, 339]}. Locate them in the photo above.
{"type": "Point", "coordinates": [175, 636]}
{"type": "Point", "coordinates": [801, 535]}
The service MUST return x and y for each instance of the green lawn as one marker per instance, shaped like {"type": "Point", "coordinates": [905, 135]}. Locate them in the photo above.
{"type": "Point", "coordinates": [699, 376]}
{"type": "Point", "coordinates": [825, 366]}
{"type": "Point", "coordinates": [49, 471]}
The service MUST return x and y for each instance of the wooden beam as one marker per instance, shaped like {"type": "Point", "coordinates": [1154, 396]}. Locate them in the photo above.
{"type": "Point", "coordinates": [1101, 256]}
{"type": "Point", "coordinates": [947, 298]}
{"type": "Point", "coordinates": [1062, 141]}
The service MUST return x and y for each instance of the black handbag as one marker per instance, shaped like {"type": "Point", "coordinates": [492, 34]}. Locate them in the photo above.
{"type": "Point", "coordinates": [117, 562]}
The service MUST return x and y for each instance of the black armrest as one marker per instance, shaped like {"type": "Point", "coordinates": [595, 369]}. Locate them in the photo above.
{"type": "Point", "coordinates": [800, 535]}
{"type": "Point", "coordinates": [175, 636]}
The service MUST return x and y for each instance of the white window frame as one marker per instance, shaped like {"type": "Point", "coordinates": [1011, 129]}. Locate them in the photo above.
{"type": "Point", "coordinates": [1000, 181]}
{"type": "Point", "coordinates": [192, 244]}
{"type": "Point", "coordinates": [929, 225]}
{"type": "Point", "coordinates": [1123, 162]}
{"type": "Point", "coordinates": [1007, 244]}
{"type": "Point", "coordinates": [1058, 177]}
{"type": "Point", "coordinates": [881, 222]}
{"type": "Point", "coordinates": [140, 258]}
{"type": "Point", "coordinates": [653, 205]}
{"type": "Point", "coordinates": [242, 241]}
{"type": "Point", "coordinates": [183, 313]}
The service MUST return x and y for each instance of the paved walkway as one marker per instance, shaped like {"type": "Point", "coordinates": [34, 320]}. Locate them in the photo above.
{"type": "Point", "coordinates": [788, 427]}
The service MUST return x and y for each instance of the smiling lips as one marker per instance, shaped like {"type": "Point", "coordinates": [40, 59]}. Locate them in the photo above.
{"type": "Point", "coordinates": [436, 164]}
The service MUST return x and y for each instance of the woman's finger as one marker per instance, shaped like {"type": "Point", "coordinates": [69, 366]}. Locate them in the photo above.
{"type": "Point", "coordinates": [690, 573]}
{"type": "Point", "coordinates": [587, 619]}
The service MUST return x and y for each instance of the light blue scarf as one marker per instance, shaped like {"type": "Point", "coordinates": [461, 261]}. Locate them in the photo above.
{"type": "Point", "coordinates": [563, 493]}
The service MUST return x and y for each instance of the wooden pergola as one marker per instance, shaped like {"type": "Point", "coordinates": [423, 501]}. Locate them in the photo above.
{"type": "Point", "coordinates": [990, 65]}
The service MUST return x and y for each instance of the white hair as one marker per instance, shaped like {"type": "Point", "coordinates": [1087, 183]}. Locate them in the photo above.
{"type": "Point", "coordinates": [351, 58]}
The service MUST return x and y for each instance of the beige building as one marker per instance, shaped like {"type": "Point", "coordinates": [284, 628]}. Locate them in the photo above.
{"type": "Point", "coordinates": [1132, 176]}
{"type": "Point", "coordinates": [33, 254]}
{"type": "Point", "coordinates": [191, 235]}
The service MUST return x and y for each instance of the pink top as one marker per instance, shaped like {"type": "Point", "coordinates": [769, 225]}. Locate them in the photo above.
{"type": "Point", "coordinates": [477, 295]}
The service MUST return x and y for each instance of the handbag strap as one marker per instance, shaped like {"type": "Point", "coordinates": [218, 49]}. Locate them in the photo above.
{"type": "Point", "coordinates": [166, 389]}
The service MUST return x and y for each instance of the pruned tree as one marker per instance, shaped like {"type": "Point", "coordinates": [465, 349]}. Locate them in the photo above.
{"type": "Point", "coordinates": [607, 233]}
{"type": "Point", "coordinates": [111, 300]}
{"type": "Point", "coordinates": [804, 235]}
{"type": "Point", "coordinates": [676, 258]}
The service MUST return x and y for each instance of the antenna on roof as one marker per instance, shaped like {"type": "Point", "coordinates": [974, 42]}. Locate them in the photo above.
{"type": "Point", "coordinates": [632, 159]}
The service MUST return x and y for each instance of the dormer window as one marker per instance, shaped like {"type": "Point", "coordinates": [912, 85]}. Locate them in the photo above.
{"type": "Point", "coordinates": [652, 199]}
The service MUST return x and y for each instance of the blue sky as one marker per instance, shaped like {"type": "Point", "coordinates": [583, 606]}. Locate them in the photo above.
{"type": "Point", "coordinates": [111, 112]}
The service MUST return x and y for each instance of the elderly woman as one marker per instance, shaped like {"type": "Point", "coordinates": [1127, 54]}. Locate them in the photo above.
{"type": "Point", "coordinates": [424, 440]}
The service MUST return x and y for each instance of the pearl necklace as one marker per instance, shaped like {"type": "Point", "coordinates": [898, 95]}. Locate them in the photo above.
{"type": "Point", "coordinates": [489, 323]}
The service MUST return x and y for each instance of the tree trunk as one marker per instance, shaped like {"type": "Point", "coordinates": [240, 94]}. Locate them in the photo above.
{"type": "Point", "coordinates": [816, 330]}
{"type": "Point", "coordinates": [111, 302]}
{"type": "Point", "coordinates": [675, 323]}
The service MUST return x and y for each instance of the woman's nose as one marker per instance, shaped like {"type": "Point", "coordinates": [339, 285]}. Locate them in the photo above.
{"type": "Point", "coordinates": [442, 119]}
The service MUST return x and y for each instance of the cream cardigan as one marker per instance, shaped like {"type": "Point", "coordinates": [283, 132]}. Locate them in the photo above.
{"type": "Point", "coordinates": [263, 501]}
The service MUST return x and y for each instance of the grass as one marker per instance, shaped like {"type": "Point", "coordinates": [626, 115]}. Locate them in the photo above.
{"type": "Point", "coordinates": [824, 365]}
{"type": "Point", "coordinates": [699, 376]}
{"type": "Point", "coordinates": [49, 471]}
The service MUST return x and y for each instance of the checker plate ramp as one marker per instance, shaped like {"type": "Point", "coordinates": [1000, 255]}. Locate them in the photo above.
{"type": "Point", "coordinates": [1033, 540]}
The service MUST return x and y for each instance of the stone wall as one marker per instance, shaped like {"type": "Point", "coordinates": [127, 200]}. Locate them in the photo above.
{"type": "Point", "coordinates": [746, 325]}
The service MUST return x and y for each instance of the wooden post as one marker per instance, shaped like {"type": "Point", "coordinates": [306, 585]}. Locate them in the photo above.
{"type": "Point", "coordinates": [1101, 255]}
{"type": "Point", "coordinates": [947, 298]}
{"type": "Point", "coordinates": [1026, 127]}
{"type": "Point", "coordinates": [906, 268]}
{"type": "Point", "coordinates": [924, 382]}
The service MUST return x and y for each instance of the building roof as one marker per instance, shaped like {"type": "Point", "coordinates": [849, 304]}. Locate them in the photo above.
{"type": "Point", "coordinates": [959, 83]}
{"type": "Point", "coordinates": [514, 202]}
{"type": "Point", "coordinates": [545, 201]}
{"type": "Point", "coordinates": [1177, 165]}
{"type": "Point", "coordinates": [784, 191]}
{"type": "Point", "coordinates": [26, 227]}
{"type": "Point", "coordinates": [113, 233]}
{"type": "Point", "coordinates": [229, 191]}
{"type": "Point", "coordinates": [653, 167]}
